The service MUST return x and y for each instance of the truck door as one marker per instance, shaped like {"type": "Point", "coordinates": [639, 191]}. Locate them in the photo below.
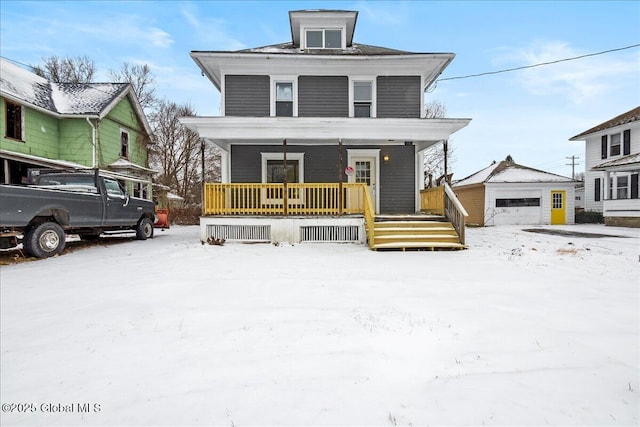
{"type": "Point", "coordinates": [116, 209]}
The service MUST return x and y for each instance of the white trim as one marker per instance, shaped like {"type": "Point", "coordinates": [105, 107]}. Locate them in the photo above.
{"type": "Point", "coordinates": [373, 153]}
{"type": "Point", "coordinates": [274, 79]}
{"type": "Point", "coordinates": [299, 157]}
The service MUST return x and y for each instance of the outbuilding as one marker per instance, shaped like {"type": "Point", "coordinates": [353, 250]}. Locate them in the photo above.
{"type": "Point", "coordinates": [508, 193]}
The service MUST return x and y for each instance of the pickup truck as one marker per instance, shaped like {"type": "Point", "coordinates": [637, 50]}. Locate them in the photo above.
{"type": "Point", "coordinates": [84, 203]}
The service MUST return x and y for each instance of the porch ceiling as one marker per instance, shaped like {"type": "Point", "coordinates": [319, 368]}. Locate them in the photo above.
{"type": "Point", "coordinates": [224, 131]}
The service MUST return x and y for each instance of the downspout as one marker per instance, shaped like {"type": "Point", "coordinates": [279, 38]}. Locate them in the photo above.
{"type": "Point", "coordinates": [93, 143]}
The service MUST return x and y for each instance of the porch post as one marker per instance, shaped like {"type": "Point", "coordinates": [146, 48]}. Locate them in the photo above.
{"type": "Point", "coordinates": [446, 155]}
{"type": "Point", "coordinates": [285, 196]}
{"type": "Point", "coordinates": [340, 195]}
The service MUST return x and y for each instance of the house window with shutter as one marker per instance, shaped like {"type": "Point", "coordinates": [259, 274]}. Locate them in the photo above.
{"type": "Point", "coordinates": [14, 121]}
{"type": "Point", "coordinates": [616, 144]}
{"type": "Point", "coordinates": [597, 189]}
{"type": "Point", "coordinates": [124, 144]}
{"type": "Point", "coordinates": [622, 187]}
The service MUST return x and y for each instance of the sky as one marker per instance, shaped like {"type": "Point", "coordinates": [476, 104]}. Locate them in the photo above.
{"type": "Point", "coordinates": [529, 114]}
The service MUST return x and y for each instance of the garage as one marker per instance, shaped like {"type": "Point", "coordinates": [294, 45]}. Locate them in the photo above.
{"type": "Point", "coordinates": [507, 193]}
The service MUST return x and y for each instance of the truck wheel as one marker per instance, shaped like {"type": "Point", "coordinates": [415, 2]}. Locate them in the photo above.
{"type": "Point", "coordinates": [44, 240]}
{"type": "Point", "coordinates": [144, 230]}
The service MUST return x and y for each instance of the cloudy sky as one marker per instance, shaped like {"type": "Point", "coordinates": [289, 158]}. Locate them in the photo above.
{"type": "Point", "coordinates": [529, 114]}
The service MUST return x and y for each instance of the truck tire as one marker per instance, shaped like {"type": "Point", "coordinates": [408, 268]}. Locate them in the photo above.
{"type": "Point", "coordinates": [144, 230]}
{"type": "Point", "coordinates": [44, 240]}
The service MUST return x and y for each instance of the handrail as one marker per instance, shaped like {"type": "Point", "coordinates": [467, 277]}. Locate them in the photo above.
{"type": "Point", "coordinates": [369, 216]}
{"type": "Point", "coordinates": [455, 212]}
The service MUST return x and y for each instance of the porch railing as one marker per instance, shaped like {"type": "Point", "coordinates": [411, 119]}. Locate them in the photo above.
{"type": "Point", "coordinates": [278, 199]}
{"type": "Point", "coordinates": [442, 200]}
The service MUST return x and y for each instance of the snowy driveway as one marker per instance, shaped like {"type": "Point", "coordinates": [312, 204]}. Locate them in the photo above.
{"type": "Point", "coordinates": [521, 329]}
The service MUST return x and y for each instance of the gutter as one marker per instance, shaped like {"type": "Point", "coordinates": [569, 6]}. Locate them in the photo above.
{"type": "Point", "coordinates": [93, 142]}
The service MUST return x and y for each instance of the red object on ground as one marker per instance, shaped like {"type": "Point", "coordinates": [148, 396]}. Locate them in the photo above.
{"type": "Point", "coordinates": [162, 218]}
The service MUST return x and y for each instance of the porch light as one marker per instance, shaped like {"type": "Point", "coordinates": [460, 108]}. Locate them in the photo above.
{"type": "Point", "coordinates": [385, 159]}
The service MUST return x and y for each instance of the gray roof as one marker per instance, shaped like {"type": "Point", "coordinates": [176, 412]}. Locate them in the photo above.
{"type": "Point", "coordinates": [628, 160]}
{"type": "Point", "coordinates": [632, 115]}
{"type": "Point", "coordinates": [354, 49]}
{"type": "Point", "coordinates": [81, 99]}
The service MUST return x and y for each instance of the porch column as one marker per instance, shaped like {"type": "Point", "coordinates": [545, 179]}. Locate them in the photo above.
{"type": "Point", "coordinates": [225, 169]}
{"type": "Point", "coordinates": [607, 180]}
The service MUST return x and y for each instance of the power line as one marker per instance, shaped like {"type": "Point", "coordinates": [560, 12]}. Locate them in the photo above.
{"type": "Point", "coordinates": [539, 64]}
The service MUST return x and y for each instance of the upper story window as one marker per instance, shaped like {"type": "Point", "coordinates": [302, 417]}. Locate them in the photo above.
{"type": "Point", "coordinates": [324, 39]}
{"type": "Point", "coordinates": [284, 99]}
{"type": "Point", "coordinates": [124, 144]}
{"type": "Point", "coordinates": [616, 144]}
{"type": "Point", "coordinates": [13, 121]}
{"type": "Point", "coordinates": [362, 99]}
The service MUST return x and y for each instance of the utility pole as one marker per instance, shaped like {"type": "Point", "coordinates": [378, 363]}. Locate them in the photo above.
{"type": "Point", "coordinates": [573, 165]}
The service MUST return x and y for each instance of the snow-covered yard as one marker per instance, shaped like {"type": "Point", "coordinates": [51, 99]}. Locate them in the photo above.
{"type": "Point", "coordinates": [520, 329]}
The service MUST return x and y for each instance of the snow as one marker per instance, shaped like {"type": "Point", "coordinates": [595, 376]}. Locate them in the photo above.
{"type": "Point", "coordinates": [510, 172]}
{"type": "Point", "coordinates": [520, 329]}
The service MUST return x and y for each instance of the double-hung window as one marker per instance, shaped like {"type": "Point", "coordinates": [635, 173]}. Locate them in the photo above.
{"type": "Point", "coordinates": [284, 99]}
{"type": "Point", "coordinates": [362, 99]}
{"type": "Point", "coordinates": [324, 39]}
{"type": "Point", "coordinates": [614, 144]}
{"type": "Point", "coordinates": [622, 186]}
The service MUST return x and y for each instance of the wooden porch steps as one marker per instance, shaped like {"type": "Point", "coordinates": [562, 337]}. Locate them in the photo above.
{"type": "Point", "coordinates": [414, 232]}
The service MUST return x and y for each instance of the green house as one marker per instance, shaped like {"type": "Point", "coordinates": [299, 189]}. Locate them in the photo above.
{"type": "Point", "coordinates": [72, 125]}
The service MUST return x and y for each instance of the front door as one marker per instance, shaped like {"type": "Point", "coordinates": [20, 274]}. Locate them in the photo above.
{"type": "Point", "coordinates": [365, 172]}
{"type": "Point", "coordinates": [558, 207]}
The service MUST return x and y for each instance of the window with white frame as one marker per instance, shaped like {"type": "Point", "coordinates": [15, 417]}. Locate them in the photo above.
{"type": "Point", "coordinates": [614, 144]}
{"type": "Point", "coordinates": [323, 39]}
{"type": "Point", "coordinates": [284, 99]}
{"type": "Point", "coordinates": [622, 187]}
{"type": "Point", "coordinates": [124, 144]}
{"type": "Point", "coordinates": [362, 98]}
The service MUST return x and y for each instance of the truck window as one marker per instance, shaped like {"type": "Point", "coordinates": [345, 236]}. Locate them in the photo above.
{"type": "Point", "coordinates": [113, 188]}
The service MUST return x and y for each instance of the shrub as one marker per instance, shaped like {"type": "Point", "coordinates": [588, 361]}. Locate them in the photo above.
{"type": "Point", "coordinates": [186, 215]}
{"type": "Point", "coordinates": [589, 217]}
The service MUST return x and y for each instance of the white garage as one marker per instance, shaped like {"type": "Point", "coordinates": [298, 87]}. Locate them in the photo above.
{"type": "Point", "coordinates": [509, 193]}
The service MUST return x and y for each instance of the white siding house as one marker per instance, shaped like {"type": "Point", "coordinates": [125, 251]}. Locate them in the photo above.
{"type": "Point", "coordinates": [612, 166]}
{"type": "Point", "coordinates": [508, 193]}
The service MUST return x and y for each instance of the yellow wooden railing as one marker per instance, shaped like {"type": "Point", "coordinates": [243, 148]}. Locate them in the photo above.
{"type": "Point", "coordinates": [273, 199]}
{"type": "Point", "coordinates": [369, 217]}
{"type": "Point", "coordinates": [442, 200]}
{"type": "Point", "coordinates": [432, 200]}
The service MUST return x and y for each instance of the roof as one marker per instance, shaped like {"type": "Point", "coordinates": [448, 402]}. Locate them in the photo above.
{"type": "Point", "coordinates": [354, 49]}
{"type": "Point", "coordinates": [621, 162]}
{"type": "Point", "coordinates": [624, 118]}
{"type": "Point", "coordinates": [509, 171]}
{"type": "Point", "coordinates": [82, 99]}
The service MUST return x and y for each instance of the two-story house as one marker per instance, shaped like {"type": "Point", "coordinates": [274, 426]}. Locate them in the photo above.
{"type": "Point", "coordinates": [314, 129]}
{"type": "Point", "coordinates": [612, 166]}
{"type": "Point", "coordinates": [71, 125]}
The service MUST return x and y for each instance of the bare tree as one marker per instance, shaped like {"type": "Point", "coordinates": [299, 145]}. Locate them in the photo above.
{"type": "Point", "coordinates": [176, 150]}
{"type": "Point", "coordinates": [141, 79]}
{"type": "Point", "coordinates": [434, 157]}
{"type": "Point", "coordinates": [80, 69]}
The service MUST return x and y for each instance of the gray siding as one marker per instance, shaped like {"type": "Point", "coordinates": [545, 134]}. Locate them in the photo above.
{"type": "Point", "coordinates": [397, 183]}
{"type": "Point", "coordinates": [323, 96]}
{"type": "Point", "coordinates": [247, 96]}
{"type": "Point", "coordinates": [398, 96]}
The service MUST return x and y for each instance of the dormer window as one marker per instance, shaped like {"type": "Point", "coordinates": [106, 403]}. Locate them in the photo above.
{"type": "Point", "coordinates": [324, 39]}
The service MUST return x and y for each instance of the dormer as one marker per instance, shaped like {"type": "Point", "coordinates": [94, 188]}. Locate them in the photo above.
{"type": "Point", "coordinates": [322, 29]}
